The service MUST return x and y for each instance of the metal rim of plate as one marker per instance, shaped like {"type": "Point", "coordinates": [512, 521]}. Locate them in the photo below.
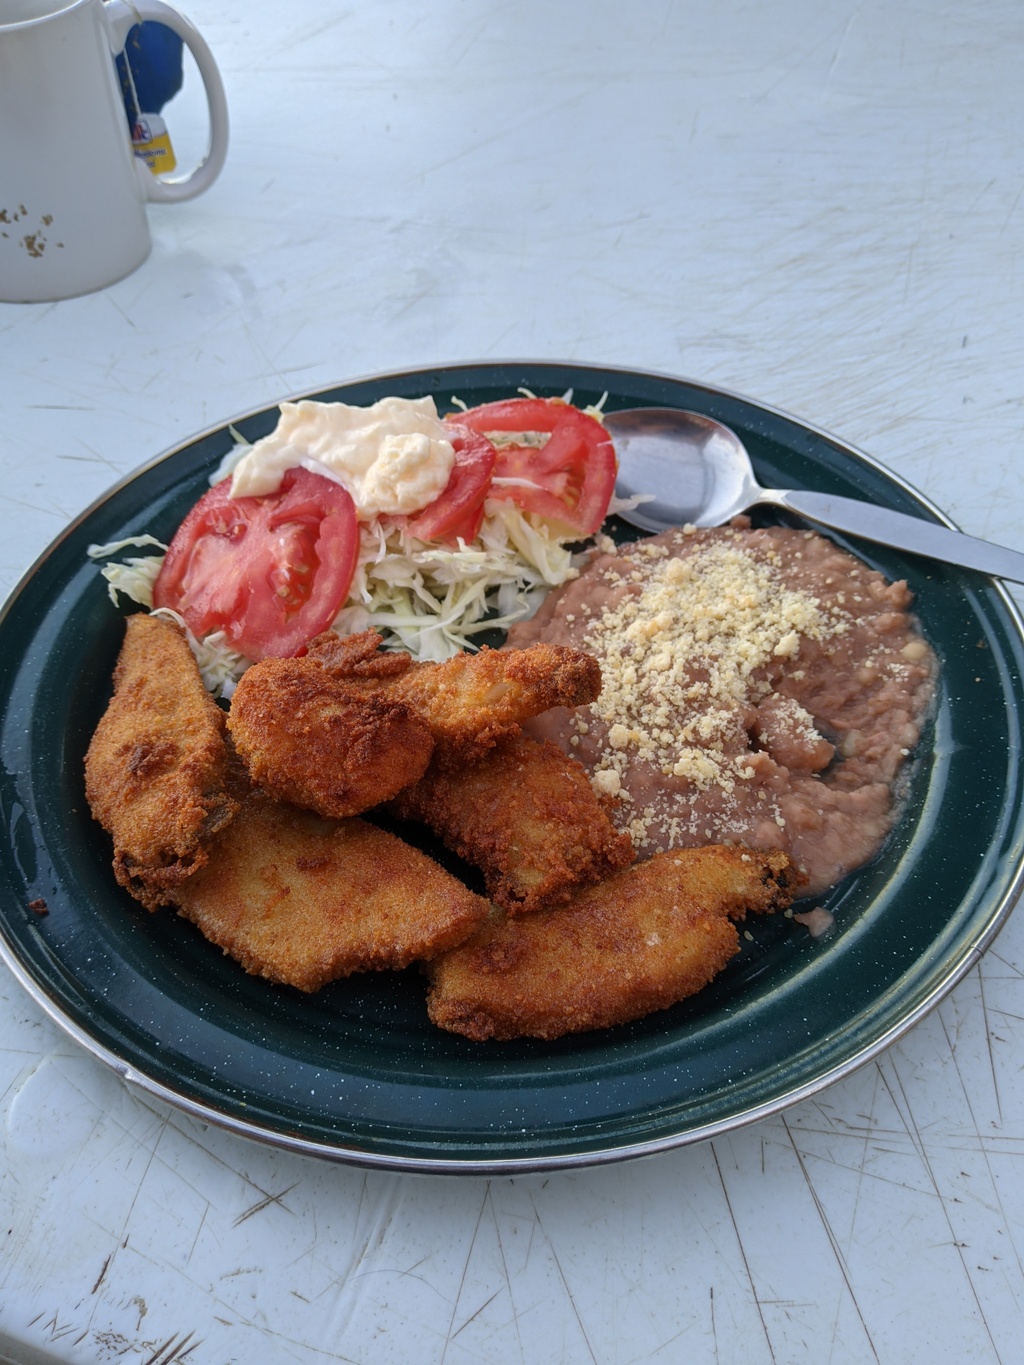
{"type": "Point", "coordinates": [46, 981]}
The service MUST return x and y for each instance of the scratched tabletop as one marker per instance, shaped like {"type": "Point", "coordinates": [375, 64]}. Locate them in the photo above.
{"type": "Point", "coordinates": [815, 203]}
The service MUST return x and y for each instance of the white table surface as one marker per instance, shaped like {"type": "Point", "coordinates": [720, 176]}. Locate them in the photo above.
{"type": "Point", "coordinates": [817, 203]}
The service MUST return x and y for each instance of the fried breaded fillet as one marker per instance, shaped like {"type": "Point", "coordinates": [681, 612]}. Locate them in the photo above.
{"type": "Point", "coordinates": [156, 772]}
{"type": "Point", "coordinates": [316, 740]}
{"type": "Point", "coordinates": [303, 901]}
{"type": "Point", "coordinates": [526, 816]}
{"type": "Point", "coordinates": [641, 941]}
{"type": "Point", "coordinates": [469, 702]}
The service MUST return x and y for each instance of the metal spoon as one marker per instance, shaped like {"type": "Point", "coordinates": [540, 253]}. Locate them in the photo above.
{"type": "Point", "coordinates": [700, 473]}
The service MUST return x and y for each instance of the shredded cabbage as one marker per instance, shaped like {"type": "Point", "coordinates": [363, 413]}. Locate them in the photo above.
{"type": "Point", "coordinates": [219, 664]}
{"type": "Point", "coordinates": [433, 599]}
{"type": "Point", "coordinates": [133, 577]}
{"type": "Point", "coordinates": [231, 459]}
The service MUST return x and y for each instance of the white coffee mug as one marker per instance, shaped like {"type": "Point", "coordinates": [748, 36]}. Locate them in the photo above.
{"type": "Point", "coordinates": [72, 192]}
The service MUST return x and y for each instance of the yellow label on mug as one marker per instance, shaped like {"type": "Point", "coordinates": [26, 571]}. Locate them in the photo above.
{"type": "Point", "coordinates": [151, 142]}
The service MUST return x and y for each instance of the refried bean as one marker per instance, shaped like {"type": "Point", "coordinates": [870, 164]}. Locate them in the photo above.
{"type": "Point", "coordinates": [760, 687]}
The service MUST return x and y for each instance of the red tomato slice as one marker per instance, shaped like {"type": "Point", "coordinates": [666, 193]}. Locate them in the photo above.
{"type": "Point", "coordinates": [570, 479]}
{"type": "Point", "coordinates": [459, 510]}
{"type": "Point", "coordinates": [271, 572]}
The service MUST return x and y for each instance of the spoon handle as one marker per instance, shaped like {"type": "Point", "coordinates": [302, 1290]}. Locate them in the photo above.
{"type": "Point", "coordinates": [902, 531]}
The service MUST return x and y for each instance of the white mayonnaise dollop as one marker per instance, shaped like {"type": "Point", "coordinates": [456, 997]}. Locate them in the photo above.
{"type": "Point", "coordinates": [393, 457]}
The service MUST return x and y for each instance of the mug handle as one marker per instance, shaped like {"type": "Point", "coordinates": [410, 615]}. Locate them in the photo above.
{"type": "Point", "coordinates": [122, 16]}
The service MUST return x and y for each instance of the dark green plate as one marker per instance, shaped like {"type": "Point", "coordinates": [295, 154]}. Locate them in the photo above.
{"type": "Point", "coordinates": [356, 1072]}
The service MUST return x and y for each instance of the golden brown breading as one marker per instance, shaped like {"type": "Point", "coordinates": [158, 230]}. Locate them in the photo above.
{"type": "Point", "coordinates": [471, 701]}
{"type": "Point", "coordinates": [641, 941]}
{"type": "Point", "coordinates": [358, 657]}
{"type": "Point", "coordinates": [303, 901]}
{"type": "Point", "coordinates": [527, 816]}
{"type": "Point", "coordinates": [156, 772]}
{"type": "Point", "coordinates": [314, 739]}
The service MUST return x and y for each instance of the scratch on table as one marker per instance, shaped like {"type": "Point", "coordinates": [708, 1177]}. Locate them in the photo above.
{"type": "Point", "coordinates": [842, 42]}
{"type": "Point", "coordinates": [1007, 1014]}
{"type": "Point", "coordinates": [93, 457]}
{"type": "Point", "coordinates": [465, 1270]}
{"type": "Point", "coordinates": [199, 1228]}
{"type": "Point", "coordinates": [388, 1272]}
{"type": "Point", "coordinates": [265, 1203]}
{"type": "Point", "coordinates": [151, 1157]}
{"type": "Point", "coordinates": [410, 1270]}
{"type": "Point", "coordinates": [865, 1147]}
{"type": "Point", "coordinates": [114, 304]}
{"type": "Point", "coordinates": [830, 1119]}
{"type": "Point", "coordinates": [565, 1282]}
{"type": "Point", "coordinates": [906, 1115]}
{"type": "Point", "coordinates": [988, 1044]}
{"type": "Point", "coordinates": [241, 1270]}
{"type": "Point", "coordinates": [103, 1273]}
{"type": "Point", "coordinates": [58, 1330]}
{"type": "Point", "coordinates": [61, 407]}
{"type": "Point", "coordinates": [983, 1148]}
{"type": "Point", "coordinates": [174, 1349]}
{"type": "Point", "coordinates": [127, 1218]}
{"type": "Point", "coordinates": [656, 1351]}
{"type": "Point", "coordinates": [833, 1241]}
{"type": "Point", "coordinates": [1012, 209]}
{"type": "Point", "coordinates": [185, 1129]}
{"type": "Point", "coordinates": [363, 1195]}
{"type": "Point", "coordinates": [472, 1317]}
{"type": "Point", "coordinates": [504, 1263]}
{"type": "Point", "coordinates": [742, 1251]}
{"type": "Point", "coordinates": [409, 301]}
{"type": "Point", "coordinates": [307, 35]}
{"type": "Point", "coordinates": [992, 955]}
{"type": "Point", "coordinates": [528, 118]}
{"type": "Point", "coordinates": [32, 506]}
{"type": "Point", "coordinates": [909, 271]}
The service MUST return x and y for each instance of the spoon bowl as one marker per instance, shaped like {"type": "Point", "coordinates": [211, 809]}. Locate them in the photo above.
{"type": "Point", "coordinates": [691, 470]}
